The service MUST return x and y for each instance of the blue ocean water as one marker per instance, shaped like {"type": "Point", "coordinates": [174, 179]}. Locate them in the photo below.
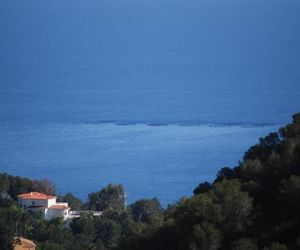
{"type": "Point", "coordinates": [150, 161]}
{"type": "Point", "coordinates": [155, 94]}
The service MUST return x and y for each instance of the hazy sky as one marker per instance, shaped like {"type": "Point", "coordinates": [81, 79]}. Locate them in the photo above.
{"type": "Point", "coordinates": [150, 44]}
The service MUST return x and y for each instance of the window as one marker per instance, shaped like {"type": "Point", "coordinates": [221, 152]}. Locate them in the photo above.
{"type": "Point", "coordinates": [33, 203]}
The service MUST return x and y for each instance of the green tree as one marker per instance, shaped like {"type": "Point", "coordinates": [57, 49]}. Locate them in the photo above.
{"type": "Point", "coordinates": [225, 173]}
{"type": "Point", "coordinates": [108, 231]}
{"type": "Point", "coordinates": [291, 130]}
{"type": "Point", "coordinates": [205, 236]}
{"type": "Point", "coordinates": [264, 148]}
{"type": "Point", "coordinates": [236, 205]}
{"type": "Point", "coordinates": [147, 211]}
{"type": "Point", "coordinates": [74, 202]}
{"type": "Point", "coordinates": [291, 187]}
{"type": "Point", "coordinates": [251, 169]}
{"type": "Point", "coordinates": [202, 188]}
{"type": "Point", "coordinates": [43, 186]}
{"type": "Point", "coordinates": [4, 182]}
{"type": "Point", "coordinates": [244, 244]}
{"type": "Point", "coordinates": [82, 241]}
{"type": "Point", "coordinates": [48, 245]}
{"type": "Point", "coordinates": [276, 246]}
{"type": "Point", "coordinates": [110, 197]}
{"type": "Point", "coordinates": [83, 225]}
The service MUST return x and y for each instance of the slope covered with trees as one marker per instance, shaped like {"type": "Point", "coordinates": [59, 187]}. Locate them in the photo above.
{"type": "Point", "coordinates": [253, 206]}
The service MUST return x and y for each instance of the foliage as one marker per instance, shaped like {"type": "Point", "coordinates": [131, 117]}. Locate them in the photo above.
{"type": "Point", "coordinates": [244, 244]}
{"type": "Point", "coordinates": [202, 188]}
{"type": "Point", "coordinates": [110, 197]}
{"type": "Point", "coordinates": [74, 202]}
{"type": "Point", "coordinates": [147, 211]}
{"type": "Point", "coordinates": [15, 185]}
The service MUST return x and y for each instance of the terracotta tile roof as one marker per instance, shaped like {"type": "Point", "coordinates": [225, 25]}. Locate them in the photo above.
{"type": "Point", "coordinates": [23, 242]}
{"type": "Point", "coordinates": [36, 196]}
{"type": "Point", "coordinates": [60, 207]}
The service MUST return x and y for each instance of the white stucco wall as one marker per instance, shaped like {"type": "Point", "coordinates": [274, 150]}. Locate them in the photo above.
{"type": "Point", "coordinates": [56, 213]}
{"type": "Point", "coordinates": [51, 202]}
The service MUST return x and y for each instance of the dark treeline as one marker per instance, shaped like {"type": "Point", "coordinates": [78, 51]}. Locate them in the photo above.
{"type": "Point", "coordinates": [253, 206]}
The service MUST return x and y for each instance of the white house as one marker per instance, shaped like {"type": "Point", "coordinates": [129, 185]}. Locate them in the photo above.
{"type": "Point", "coordinates": [45, 204]}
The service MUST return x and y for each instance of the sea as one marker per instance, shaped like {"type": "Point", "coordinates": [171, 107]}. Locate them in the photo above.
{"type": "Point", "coordinates": [156, 95]}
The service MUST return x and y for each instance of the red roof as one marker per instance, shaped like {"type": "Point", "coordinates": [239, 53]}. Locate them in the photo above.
{"type": "Point", "coordinates": [23, 242]}
{"type": "Point", "coordinates": [58, 207]}
{"type": "Point", "coordinates": [36, 196]}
